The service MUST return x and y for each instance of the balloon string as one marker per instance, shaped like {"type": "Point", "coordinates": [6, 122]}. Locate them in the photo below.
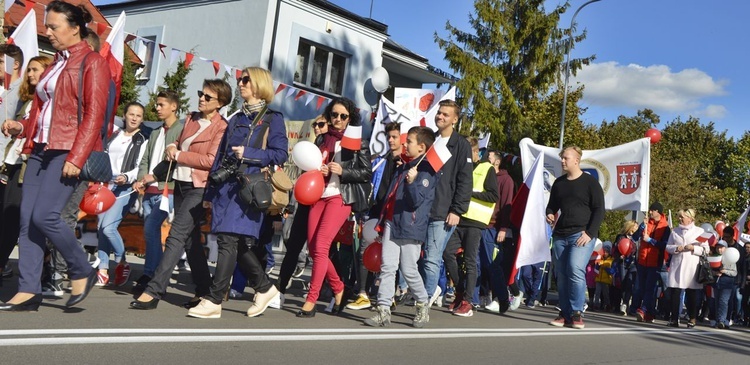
{"type": "Point", "coordinates": [131, 192]}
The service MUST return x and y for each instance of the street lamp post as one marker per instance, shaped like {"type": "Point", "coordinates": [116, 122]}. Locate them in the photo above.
{"type": "Point", "coordinates": [567, 71]}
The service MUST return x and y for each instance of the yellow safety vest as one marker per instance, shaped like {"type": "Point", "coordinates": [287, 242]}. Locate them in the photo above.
{"type": "Point", "coordinates": [479, 210]}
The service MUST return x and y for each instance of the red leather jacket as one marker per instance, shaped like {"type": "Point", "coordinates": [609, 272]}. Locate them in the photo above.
{"type": "Point", "coordinates": [65, 133]}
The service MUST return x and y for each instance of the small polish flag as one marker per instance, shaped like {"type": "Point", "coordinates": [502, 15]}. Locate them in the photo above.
{"type": "Point", "coordinates": [164, 203]}
{"type": "Point", "coordinates": [438, 154]}
{"type": "Point", "coordinates": [707, 237]}
{"type": "Point", "coordinates": [352, 139]}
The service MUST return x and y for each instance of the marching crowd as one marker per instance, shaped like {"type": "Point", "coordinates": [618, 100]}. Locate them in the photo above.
{"type": "Point", "coordinates": [445, 233]}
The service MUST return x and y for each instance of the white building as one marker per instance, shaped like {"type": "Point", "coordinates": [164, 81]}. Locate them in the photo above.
{"type": "Point", "coordinates": [312, 45]}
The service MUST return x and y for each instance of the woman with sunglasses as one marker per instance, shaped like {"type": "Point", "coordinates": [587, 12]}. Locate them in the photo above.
{"type": "Point", "coordinates": [347, 176]}
{"type": "Point", "coordinates": [191, 156]}
{"type": "Point", "coordinates": [255, 139]}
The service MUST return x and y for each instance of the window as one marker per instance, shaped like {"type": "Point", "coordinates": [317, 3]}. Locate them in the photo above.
{"type": "Point", "coordinates": [320, 68]}
{"type": "Point", "coordinates": [146, 52]}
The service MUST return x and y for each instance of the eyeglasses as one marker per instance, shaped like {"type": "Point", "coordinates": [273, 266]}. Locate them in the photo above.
{"type": "Point", "coordinates": [243, 80]}
{"type": "Point", "coordinates": [206, 97]}
{"type": "Point", "coordinates": [342, 116]}
{"type": "Point", "coordinates": [319, 124]}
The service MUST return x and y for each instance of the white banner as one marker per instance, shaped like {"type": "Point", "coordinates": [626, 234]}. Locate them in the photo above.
{"type": "Point", "coordinates": [623, 171]}
{"type": "Point", "coordinates": [387, 113]}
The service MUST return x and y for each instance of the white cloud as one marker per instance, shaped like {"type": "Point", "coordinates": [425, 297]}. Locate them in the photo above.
{"type": "Point", "coordinates": [713, 111]}
{"type": "Point", "coordinates": [610, 84]}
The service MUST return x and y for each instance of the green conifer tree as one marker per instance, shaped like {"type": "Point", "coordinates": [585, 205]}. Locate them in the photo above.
{"type": "Point", "coordinates": [176, 81]}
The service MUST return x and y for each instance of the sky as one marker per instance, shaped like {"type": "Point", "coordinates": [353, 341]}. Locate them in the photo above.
{"type": "Point", "coordinates": [680, 58]}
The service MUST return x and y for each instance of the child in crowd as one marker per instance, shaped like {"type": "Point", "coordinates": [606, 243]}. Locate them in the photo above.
{"type": "Point", "coordinates": [725, 287]}
{"type": "Point", "coordinates": [591, 277]}
{"type": "Point", "coordinates": [405, 218]}
{"type": "Point", "coordinates": [604, 278]}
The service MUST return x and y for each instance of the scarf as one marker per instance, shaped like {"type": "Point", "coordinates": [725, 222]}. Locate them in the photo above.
{"type": "Point", "coordinates": [252, 108]}
{"type": "Point", "coordinates": [329, 143]}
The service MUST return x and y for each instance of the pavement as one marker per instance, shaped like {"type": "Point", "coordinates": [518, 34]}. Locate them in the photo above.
{"type": "Point", "coordinates": [104, 331]}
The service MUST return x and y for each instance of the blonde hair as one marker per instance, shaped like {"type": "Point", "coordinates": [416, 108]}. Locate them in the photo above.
{"type": "Point", "coordinates": [629, 227]}
{"type": "Point", "coordinates": [261, 82]}
{"type": "Point", "coordinates": [689, 212]}
{"type": "Point", "coordinates": [574, 148]}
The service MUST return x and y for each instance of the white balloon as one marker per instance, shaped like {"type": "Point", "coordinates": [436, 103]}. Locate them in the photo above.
{"type": "Point", "coordinates": [307, 156]}
{"type": "Point", "coordinates": [598, 246]}
{"type": "Point", "coordinates": [730, 256]}
{"type": "Point", "coordinates": [380, 79]}
{"type": "Point", "coordinates": [369, 234]}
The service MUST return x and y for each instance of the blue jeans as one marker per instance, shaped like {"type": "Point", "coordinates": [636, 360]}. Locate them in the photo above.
{"type": "Point", "coordinates": [493, 267]}
{"type": "Point", "coordinates": [644, 296]}
{"type": "Point", "coordinates": [153, 218]}
{"type": "Point", "coordinates": [571, 263]}
{"type": "Point", "coordinates": [531, 276]}
{"type": "Point", "coordinates": [109, 237]}
{"type": "Point", "coordinates": [438, 234]}
{"type": "Point", "coordinates": [725, 288]}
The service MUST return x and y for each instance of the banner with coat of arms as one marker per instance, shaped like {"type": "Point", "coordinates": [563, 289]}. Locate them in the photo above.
{"type": "Point", "coordinates": [623, 171]}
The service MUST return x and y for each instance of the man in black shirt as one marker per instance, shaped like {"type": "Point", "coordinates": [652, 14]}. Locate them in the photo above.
{"type": "Point", "coordinates": [580, 200]}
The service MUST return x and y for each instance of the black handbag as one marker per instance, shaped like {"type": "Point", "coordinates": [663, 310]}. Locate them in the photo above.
{"type": "Point", "coordinates": [256, 190]}
{"type": "Point", "coordinates": [705, 273]}
{"type": "Point", "coordinates": [161, 170]}
{"type": "Point", "coordinates": [97, 167]}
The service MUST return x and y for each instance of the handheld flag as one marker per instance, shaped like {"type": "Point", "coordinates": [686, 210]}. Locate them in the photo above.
{"type": "Point", "coordinates": [352, 139]}
{"type": "Point", "coordinates": [26, 39]}
{"type": "Point", "coordinates": [438, 154]}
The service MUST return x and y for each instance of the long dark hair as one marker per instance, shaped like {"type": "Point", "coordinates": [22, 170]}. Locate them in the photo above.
{"type": "Point", "coordinates": [77, 16]}
{"type": "Point", "coordinates": [350, 108]}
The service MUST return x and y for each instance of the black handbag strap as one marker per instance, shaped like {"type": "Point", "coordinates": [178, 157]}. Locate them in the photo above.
{"type": "Point", "coordinates": [80, 97]}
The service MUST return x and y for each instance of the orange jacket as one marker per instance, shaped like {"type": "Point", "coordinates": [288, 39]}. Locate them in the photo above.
{"type": "Point", "coordinates": [651, 254]}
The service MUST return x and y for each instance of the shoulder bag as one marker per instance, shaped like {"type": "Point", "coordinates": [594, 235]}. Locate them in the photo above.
{"type": "Point", "coordinates": [97, 167]}
{"type": "Point", "coordinates": [704, 273]}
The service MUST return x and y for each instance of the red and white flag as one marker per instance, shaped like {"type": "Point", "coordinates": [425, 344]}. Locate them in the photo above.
{"type": "Point", "coordinates": [528, 213]}
{"type": "Point", "coordinates": [740, 225]}
{"type": "Point", "coordinates": [438, 154]}
{"type": "Point", "coordinates": [352, 139]}
{"type": "Point", "coordinates": [26, 39]}
{"type": "Point", "coordinates": [429, 118]}
{"type": "Point", "coordinates": [164, 203]}
{"type": "Point", "coordinates": [113, 51]}
{"type": "Point", "coordinates": [707, 237]}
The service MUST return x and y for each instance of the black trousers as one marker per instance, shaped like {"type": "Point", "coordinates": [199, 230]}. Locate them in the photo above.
{"type": "Point", "coordinates": [184, 236]}
{"type": "Point", "coordinates": [10, 214]}
{"type": "Point", "coordinates": [250, 257]}
{"type": "Point", "coordinates": [691, 297]}
{"type": "Point", "coordinates": [465, 280]}
{"type": "Point", "coordinates": [294, 245]}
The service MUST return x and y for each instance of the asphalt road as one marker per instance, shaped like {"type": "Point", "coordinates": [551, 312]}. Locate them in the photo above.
{"type": "Point", "coordinates": [105, 331]}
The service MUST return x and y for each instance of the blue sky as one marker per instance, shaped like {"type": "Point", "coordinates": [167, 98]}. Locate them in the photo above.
{"type": "Point", "coordinates": [680, 58]}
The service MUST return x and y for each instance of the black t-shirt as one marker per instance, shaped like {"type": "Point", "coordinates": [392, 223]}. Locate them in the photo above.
{"type": "Point", "coordinates": [581, 202]}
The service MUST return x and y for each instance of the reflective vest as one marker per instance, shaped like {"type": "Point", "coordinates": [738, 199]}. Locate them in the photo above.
{"type": "Point", "coordinates": [479, 210]}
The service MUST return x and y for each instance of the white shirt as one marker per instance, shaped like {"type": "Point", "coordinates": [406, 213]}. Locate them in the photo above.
{"type": "Point", "coordinates": [45, 89]}
{"type": "Point", "coordinates": [332, 189]}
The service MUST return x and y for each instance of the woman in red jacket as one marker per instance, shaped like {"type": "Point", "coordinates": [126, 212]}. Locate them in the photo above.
{"type": "Point", "coordinates": [58, 145]}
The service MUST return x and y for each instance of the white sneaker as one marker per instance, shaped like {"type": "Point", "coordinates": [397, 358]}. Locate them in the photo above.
{"type": "Point", "coordinates": [205, 309]}
{"type": "Point", "coordinates": [515, 301]}
{"type": "Point", "coordinates": [493, 306]}
{"type": "Point", "coordinates": [624, 309]}
{"type": "Point", "coordinates": [439, 301]}
{"type": "Point", "coordinates": [435, 296]}
{"type": "Point", "coordinates": [277, 302]}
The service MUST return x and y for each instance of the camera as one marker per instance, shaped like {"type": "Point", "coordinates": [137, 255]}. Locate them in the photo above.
{"type": "Point", "coordinates": [228, 169]}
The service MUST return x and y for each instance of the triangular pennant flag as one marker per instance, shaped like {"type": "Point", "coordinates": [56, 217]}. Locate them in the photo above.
{"type": "Point", "coordinates": [290, 91]}
{"type": "Point", "coordinates": [438, 154]}
{"type": "Point", "coordinates": [173, 56]}
{"type": "Point", "coordinates": [228, 69]}
{"type": "Point", "coordinates": [279, 88]}
{"type": "Point", "coordinates": [161, 49]}
{"type": "Point", "coordinates": [238, 73]}
{"type": "Point", "coordinates": [216, 67]}
{"type": "Point", "coordinates": [100, 28]}
{"type": "Point", "coordinates": [129, 37]}
{"type": "Point", "coordinates": [29, 6]}
{"type": "Point", "coordinates": [310, 96]}
{"type": "Point", "coordinates": [319, 102]}
{"type": "Point", "coordinates": [352, 139]}
{"type": "Point", "coordinates": [188, 59]}
{"type": "Point", "coordinates": [300, 94]}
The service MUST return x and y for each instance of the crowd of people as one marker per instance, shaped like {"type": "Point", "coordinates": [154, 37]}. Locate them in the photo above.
{"type": "Point", "coordinates": [446, 232]}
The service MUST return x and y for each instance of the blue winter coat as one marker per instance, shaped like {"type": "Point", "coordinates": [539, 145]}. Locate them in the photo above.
{"type": "Point", "coordinates": [229, 213]}
{"type": "Point", "coordinates": [411, 213]}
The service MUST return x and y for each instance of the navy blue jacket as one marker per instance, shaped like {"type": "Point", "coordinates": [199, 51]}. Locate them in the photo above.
{"type": "Point", "coordinates": [411, 213]}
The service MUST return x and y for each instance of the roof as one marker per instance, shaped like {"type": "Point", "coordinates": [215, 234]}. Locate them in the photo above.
{"type": "Point", "coordinates": [16, 13]}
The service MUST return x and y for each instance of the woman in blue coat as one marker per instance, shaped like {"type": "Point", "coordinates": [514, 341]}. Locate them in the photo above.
{"type": "Point", "coordinates": [235, 223]}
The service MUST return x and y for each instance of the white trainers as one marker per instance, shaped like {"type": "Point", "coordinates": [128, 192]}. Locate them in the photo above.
{"type": "Point", "coordinates": [435, 296]}
{"type": "Point", "coordinates": [515, 301]}
{"type": "Point", "coordinates": [277, 302]}
{"type": "Point", "coordinates": [261, 302]}
{"type": "Point", "coordinates": [205, 309]}
{"type": "Point", "coordinates": [493, 306]}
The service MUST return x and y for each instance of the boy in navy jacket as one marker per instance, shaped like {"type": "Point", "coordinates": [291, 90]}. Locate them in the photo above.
{"type": "Point", "coordinates": [405, 216]}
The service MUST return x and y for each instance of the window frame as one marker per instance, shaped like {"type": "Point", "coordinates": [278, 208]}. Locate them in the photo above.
{"type": "Point", "coordinates": [308, 69]}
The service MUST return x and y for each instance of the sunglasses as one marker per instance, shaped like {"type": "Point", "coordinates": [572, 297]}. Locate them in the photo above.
{"type": "Point", "coordinates": [342, 116]}
{"type": "Point", "coordinates": [205, 96]}
{"type": "Point", "coordinates": [243, 80]}
{"type": "Point", "coordinates": [319, 124]}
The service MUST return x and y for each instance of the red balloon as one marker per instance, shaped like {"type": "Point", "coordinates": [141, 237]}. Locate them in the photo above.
{"type": "Point", "coordinates": [625, 246]}
{"type": "Point", "coordinates": [309, 187]}
{"type": "Point", "coordinates": [372, 257]}
{"type": "Point", "coordinates": [720, 228]}
{"type": "Point", "coordinates": [654, 134]}
{"type": "Point", "coordinates": [97, 199]}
